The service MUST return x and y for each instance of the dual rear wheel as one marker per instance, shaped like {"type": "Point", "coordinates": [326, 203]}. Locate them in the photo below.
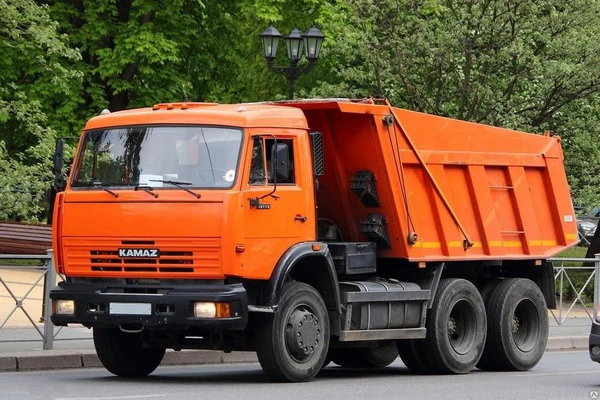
{"type": "Point", "coordinates": [517, 326]}
{"type": "Point", "coordinates": [507, 330]}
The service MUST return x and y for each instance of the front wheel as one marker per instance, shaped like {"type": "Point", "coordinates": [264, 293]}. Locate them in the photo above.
{"type": "Point", "coordinates": [292, 344]}
{"type": "Point", "coordinates": [124, 354]}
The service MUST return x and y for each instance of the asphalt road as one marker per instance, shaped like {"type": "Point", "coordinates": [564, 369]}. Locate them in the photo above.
{"type": "Point", "coordinates": [560, 375]}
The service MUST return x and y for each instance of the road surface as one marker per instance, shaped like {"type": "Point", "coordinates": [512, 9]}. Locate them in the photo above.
{"type": "Point", "coordinates": [560, 375]}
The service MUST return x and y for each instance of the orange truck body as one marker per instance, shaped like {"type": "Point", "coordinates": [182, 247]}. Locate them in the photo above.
{"type": "Point", "coordinates": [472, 192]}
{"type": "Point", "coordinates": [373, 210]}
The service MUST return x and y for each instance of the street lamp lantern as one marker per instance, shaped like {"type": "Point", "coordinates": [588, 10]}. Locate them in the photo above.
{"type": "Point", "coordinates": [313, 39]}
{"type": "Point", "coordinates": [295, 43]}
{"type": "Point", "coordinates": [270, 40]}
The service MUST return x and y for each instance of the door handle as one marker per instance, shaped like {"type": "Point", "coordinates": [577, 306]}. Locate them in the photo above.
{"type": "Point", "coordinates": [300, 218]}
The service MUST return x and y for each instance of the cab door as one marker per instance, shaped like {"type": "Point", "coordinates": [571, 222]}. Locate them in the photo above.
{"type": "Point", "coordinates": [278, 209]}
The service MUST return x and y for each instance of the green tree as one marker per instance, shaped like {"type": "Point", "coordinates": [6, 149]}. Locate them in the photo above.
{"type": "Point", "coordinates": [523, 64]}
{"type": "Point", "coordinates": [33, 71]}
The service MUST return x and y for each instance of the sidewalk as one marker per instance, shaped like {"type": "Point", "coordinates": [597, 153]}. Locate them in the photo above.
{"type": "Point", "coordinates": [21, 344]}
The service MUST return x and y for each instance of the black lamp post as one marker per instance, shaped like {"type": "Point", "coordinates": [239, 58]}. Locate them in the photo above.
{"type": "Point", "coordinates": [295, 43]}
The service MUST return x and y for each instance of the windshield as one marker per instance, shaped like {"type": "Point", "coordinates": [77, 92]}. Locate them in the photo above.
{"type": "Point", "coordinates": [203, 157]}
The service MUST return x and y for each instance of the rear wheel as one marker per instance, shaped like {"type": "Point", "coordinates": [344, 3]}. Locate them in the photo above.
{"type": "Point", "coordinates": [347, 357]}
{"type": "Point", "coordinates": [124, 354]}
{"type": "Point", "coordinates": [487, 289]}
{"type": "Point", "coordinates": [412, 356]}
{"type": "Point", "coordinates": [293, 343]}
{"type": "Point", "coordinates": [456, 328]}
{"type": "Point", "coordinates": [379, 356]}
{"type": "Point", "coordinates": [517, 326]}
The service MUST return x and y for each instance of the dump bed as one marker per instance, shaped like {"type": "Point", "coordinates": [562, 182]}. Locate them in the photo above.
{"type": "Point", "coordinates": [429, 188]}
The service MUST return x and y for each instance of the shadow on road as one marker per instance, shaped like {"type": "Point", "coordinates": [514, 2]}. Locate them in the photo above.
{"type": "Point", "coordinates": [245, 374]}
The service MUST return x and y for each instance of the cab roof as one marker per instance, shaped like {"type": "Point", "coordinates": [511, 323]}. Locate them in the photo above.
{"type": "Point", "coordinates": [239, 115]}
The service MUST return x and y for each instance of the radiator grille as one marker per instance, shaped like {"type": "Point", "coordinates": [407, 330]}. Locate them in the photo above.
{"type": "Point", "coordinates": [185, 256]}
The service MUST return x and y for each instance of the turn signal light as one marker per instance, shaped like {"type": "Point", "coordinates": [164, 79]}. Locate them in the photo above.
{"type": "Point", "coordinates": [223, 310]}
{"type": "Point", "coordinates": [598, 312]}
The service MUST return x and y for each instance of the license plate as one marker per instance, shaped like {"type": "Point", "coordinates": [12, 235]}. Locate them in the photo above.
{"type": "Point", "coordinates": [130, 308]}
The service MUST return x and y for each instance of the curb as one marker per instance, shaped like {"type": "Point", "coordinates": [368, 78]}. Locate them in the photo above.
{"type": "Point", "coordinates": [63, 359]}
{"type": "Point", "coordinates": [568, 343]}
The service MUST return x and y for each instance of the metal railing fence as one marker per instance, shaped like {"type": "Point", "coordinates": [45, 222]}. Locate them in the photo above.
{"type": "Point", "coordinates": [563, 277]}
{"type": "Point", "coordinates": [564, 282]}
{"type": "Point", "coordinates": [48, 274]}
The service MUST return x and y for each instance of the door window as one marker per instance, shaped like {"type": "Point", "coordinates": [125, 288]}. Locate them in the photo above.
{"type": "Point", "coordinates": [257, 166]}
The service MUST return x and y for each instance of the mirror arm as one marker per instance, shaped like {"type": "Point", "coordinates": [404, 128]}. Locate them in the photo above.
{"type": "Point", "coordinates": [59, 180]}
{"type": "Point", "coordinates": [274, 173]}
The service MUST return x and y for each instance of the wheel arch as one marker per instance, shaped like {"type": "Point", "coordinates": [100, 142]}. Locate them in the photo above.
{"type": "Point", "coordinates": [481, 274]}
{"type": "Point", "coordinates": [541, 275]}
{"type": "Point", "coordinates": [310, 263]}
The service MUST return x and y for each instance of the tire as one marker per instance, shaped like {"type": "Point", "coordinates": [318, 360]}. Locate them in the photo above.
{"type": "Point", "coordinates": [517, 326]}
{"type": "Point", "coordinates": [456, 328]}
{"type": "Point", "coordinates": [327, 360]}
{"type": "Point", "coordinates": [280, 347]}
{"type": "Point", "coordinates": [348, 357]}
{"type": "Point", "coordinates": [123, 354]}
{"type": "Point", "coordinates": [412, 356]}
{"type": "Point", "coordinates": [486, 291]}
{"type": "Point", "coordinates": [488, 288]}
{"type": "Point", "coordinates": [380, 356]}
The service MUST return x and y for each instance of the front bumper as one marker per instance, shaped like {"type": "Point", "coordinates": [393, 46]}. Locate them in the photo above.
{"type": "Point", "coordinates": [171, 307]}
{"type": "Point", "coordinates": [594, 340]}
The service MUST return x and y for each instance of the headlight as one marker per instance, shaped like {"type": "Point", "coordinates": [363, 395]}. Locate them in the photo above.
{"type": "Point", "coordinates": [205, 310]}
{"type": "Point", "coordinates": [64, 307]}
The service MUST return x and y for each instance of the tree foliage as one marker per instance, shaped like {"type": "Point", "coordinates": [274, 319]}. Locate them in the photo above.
{"type": "Point", "coordinates": [33, 71]}
{"type": "Point", "coordinates": [523, 64]}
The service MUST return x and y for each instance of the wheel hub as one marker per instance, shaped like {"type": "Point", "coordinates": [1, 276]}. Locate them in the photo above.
{"type": "Point", "coordinates": [451, 327]}
{"type": "Point", "coordinates": [302, 334]}
{"type": "Point", "coordinates": [515, 324]}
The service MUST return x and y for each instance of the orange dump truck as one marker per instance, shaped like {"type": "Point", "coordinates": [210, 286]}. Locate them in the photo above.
{"type": "Point", "coordinates": [310, 232]}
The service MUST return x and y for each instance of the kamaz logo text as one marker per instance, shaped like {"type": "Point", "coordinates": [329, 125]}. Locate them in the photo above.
{"type": "Point", "coordinates": [145, 253]}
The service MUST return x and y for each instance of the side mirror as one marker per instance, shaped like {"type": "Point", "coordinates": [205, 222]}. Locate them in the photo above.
{"type": "Point", "coordinates": [59, 179]}
{"type": "Point", "coordinates": [280, 153]}
{"type": "Point", "coordinates": [316, 140]}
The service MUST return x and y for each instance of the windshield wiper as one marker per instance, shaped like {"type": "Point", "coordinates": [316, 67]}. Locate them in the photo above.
{"type": "Point", "coordinates": [147, 189]}
{"type": "Point", "coordinates": [99, 186]}
{"type": "Point", "coordinates": [179, 185]}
